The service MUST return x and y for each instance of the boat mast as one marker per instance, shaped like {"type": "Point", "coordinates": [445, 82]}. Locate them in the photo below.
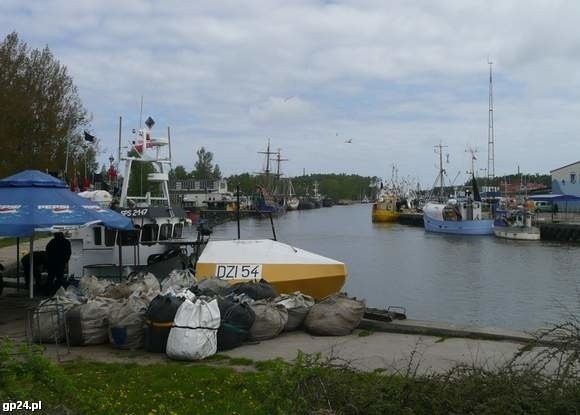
{"type": "Point", "coordinates": [268, 153]}
{"type": "Point", "coordinates": [439, 150]}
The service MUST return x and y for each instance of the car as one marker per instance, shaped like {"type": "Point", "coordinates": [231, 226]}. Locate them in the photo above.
{"type": "Point", "coordinates": [543, 206]}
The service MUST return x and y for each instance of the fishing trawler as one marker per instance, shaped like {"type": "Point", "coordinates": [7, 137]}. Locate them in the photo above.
{"type": "Point", "coordinates": [463, 214]}
{"type": "Point", "coordinates": [159, 226]}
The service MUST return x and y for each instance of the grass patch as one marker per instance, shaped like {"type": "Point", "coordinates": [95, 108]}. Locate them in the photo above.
{"type": "Point", "coordinates": [241, 361]}
{"type": "Point", "coordinates": [311, 384]}
{"type": "Point", "coordinates": [365, 333]}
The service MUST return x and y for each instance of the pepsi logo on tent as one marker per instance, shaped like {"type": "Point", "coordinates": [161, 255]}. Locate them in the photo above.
{"type": "Point", "coordinates": [9, 209]}
{"type": "Point", "coordinates": [59, 209]}
{"type": "Point", "coordinates": [96, 208]}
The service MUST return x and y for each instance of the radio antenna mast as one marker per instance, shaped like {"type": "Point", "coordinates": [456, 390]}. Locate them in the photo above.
{"type": "Point", "coordinates": [490, 132]}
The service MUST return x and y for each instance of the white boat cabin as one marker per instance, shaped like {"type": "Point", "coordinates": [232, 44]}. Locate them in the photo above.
{"type": "Point", "coordinates": [157, 231]}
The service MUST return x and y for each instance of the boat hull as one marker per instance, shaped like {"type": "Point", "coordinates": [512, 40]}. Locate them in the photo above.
{"type": "Point", "coordinates": [465, 227]}
{"type": "Point", "coordinates": [385, 216]}
{"type": "Point", "coordinates": [519, 234]}
{"type": "Point", "coordinates": [287, 268]}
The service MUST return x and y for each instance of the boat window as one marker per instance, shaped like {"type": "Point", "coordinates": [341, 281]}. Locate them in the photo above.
{"type": "Point", "coordinates": [165, 232]}
{"type": "Point", "coordinates": [97, 234]}
{"type": "Point", "coordinates": [572, 177]}
{"type": "Point", "coordinates": [128, 237]}
{"type": "Point", "coordinates": [110, 236]}
{"type": "Point", "coordinates": [177, 230]}
{"type": "Point", "coordinates": [149, 232]}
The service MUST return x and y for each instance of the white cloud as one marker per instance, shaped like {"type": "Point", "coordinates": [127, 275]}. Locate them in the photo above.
{"type": "Point", "coordinates": [397, 77]}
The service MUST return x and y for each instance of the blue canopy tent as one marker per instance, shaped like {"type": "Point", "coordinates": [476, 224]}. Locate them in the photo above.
{"type": "Point", "coordinates": [32, 200]}
{"type": "Point", "coordinates": [555, 198]}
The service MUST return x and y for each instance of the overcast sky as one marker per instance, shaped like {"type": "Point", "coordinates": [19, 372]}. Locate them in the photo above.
{"type": "Point", "coordinates": [395, 77]}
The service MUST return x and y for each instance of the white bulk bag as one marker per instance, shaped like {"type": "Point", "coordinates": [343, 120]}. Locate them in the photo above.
{"type": "Point", "coordinates": [194, 334]}
{"type": "Point", "coordinates": [92, 287]}
{"type": "Point", "coordinates": [178, 279]}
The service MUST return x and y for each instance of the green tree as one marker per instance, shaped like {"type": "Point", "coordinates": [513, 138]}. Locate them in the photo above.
{"type": "Point", "coordinates": [179, 173]}
{"type": "Point", "coordinates": [204, 168]}
{"type": "Point", "coordinates": [40, 111]}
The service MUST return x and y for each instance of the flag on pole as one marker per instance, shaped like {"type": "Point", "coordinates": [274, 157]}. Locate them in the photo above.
{"type": "Point", "coordinates": [88, 137]}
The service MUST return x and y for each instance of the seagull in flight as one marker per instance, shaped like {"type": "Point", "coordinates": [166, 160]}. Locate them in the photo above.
{"type": "Point", "coordinates": [288, 98]}
{"type": "Point", "coordinates": [349, 141]}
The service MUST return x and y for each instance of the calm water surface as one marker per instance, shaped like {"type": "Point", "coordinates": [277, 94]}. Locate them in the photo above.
{"type": "Point", "coordinates": [480, 280]}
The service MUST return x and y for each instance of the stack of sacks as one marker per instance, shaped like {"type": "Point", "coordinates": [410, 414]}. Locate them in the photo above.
{"type": "Point", "coordinates": [335, 315]}
{"type": "Point", "coordinates": [194, 332]}
{"type": "Point", "coordinates": [298, 306]}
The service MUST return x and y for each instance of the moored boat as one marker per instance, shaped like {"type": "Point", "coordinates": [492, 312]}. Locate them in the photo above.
{"type": "Point", "coordinates": [460, 217]}
{"type": "Point", "coordinates": [386, 209]}
{"type": "Point", "coordinates": [515, 224]}
{"type": "Point", "coordinates": [288, 268]}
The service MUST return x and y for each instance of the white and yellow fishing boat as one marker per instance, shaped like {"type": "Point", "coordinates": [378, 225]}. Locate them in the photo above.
{"type": "Point", "coordinates": [386, 209]}
{"type": "Point", "coordinates": [288, 268]}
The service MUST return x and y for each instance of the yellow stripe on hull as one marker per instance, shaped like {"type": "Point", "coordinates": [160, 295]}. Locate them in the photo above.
{"type": "Point", "coordinates": [385, 216]}
{"type": "Point", "coordinates": [316, 280]}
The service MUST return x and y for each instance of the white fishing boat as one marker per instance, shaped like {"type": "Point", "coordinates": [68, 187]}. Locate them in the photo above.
{"type": "Point", "coordinates": [288, 268]}
{"type": "Point", "coordinates": [464, 214]}
{"type": "Point", "coordinates": [159, 226]}
{"type": "Point", "coordinates": [515, 224]}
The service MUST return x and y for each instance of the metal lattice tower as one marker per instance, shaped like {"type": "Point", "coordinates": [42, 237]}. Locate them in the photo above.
{"type": "Point", "coordinates": [490, 132]}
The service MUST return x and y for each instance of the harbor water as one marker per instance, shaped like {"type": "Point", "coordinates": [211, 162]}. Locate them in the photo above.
{"type": "Point", "coordinates": [475, 280]}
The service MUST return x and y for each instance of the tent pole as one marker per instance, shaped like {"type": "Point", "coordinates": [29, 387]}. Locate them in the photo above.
{"type": "Point", "coordinates": [18, 263]}
{"type": "Point", "coordinates": [31, 277]}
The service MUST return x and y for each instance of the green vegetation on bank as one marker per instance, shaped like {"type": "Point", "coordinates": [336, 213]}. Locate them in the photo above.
{"type": "Point", "coordinates": [309, 385]}
{"type": "Point", "coordinates": [335, 186]}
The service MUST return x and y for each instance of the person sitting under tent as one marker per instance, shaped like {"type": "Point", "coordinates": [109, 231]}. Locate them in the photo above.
{"type": "Point", "coordinates": [39, 268]}
{"type": "Point", "coordinates": [58, 252]}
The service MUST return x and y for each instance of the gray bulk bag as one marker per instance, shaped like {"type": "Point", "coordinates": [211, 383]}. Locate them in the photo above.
{"type": "Point", "coordinates": [298, 306]}
{"type": "Point", "coordinates": [88, 323]}
{"type": "Point", "coordinates": [126, 323]}
{"type": "Point", "coordinates": [212, 287]}
{"type": "Point", "coordinates": [335, 315]}
{"type": "Point", "coordinates": [270, 320]}
{"type": "Point", "coordinates": [48, 317]}
{"type": "Point", "coordinates": [256, 290]}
